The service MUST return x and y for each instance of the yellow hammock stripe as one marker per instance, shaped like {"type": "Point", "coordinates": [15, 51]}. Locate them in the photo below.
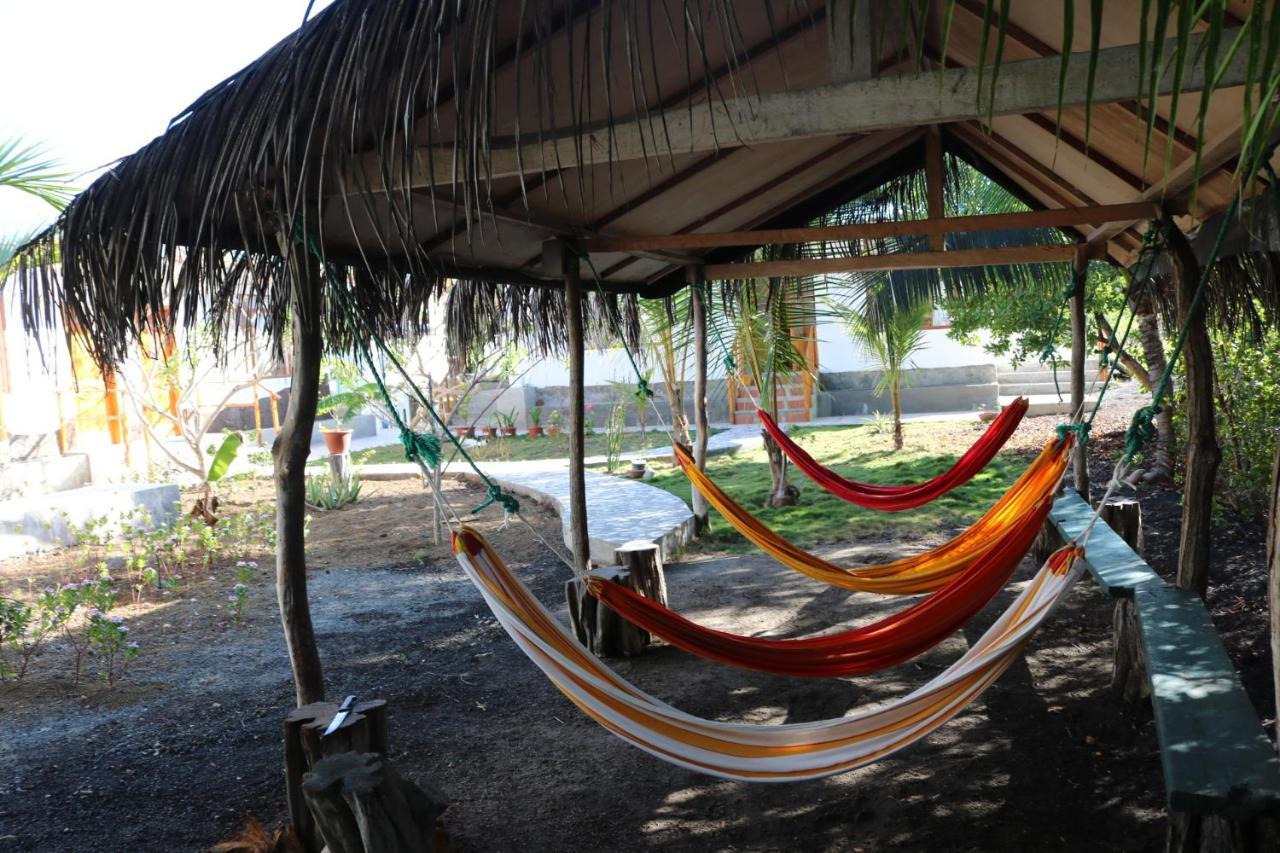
{"type": "Point", "coordinates": [756, 752]}
{"type": "Point", "coordinates": [911, 575]}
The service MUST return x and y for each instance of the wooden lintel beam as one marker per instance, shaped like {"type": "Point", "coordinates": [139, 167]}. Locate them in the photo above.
{"type": "Point", "coordinates": [854, 107]}
{"type": "Point", "coordinates": [1037, 254]}
{"type": "Point", "coordinates": [1060, 218]}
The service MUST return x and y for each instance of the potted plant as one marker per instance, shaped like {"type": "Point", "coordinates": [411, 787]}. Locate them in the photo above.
{"type": "Point", "coordinates": [636, 471]}
{"type": "Point", "coordinates": [507, 422]}
{"type": "Point", "coordinates": [553, 422]}
{"type": "Point", "coordinates": [341, 406]}
{"type": "Point", "coordinates": [535, 422]}
{"type": "Point", "coordinates": [491, 431]}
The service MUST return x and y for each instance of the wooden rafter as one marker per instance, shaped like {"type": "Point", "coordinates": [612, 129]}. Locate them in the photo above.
{"type": "Point", "coordinates": [1056, 217]}
{"type": "Point", "coordinates": [1035, 254]}
{"type": "Point", "coordinates": [887, 102]}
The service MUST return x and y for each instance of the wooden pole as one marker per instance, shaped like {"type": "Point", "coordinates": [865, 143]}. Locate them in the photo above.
{"type": "Point", "coordinates": [559, 259]}
{"type": "Point", "coordinates": [1128, 663]}
{"type": "Point", "coordinates": [1273, 572]}
{"type": "Point", "coordinates": [1035, 254]}
{"type": "Point", "coordinates": [1080, 459]}
{"type": "Point", "coordinates": [1054, 218]}
{"type": "Point", "coordinates": [934, 179]}
{"type": "Point", "coordinates": [290, 451]}
{"type": "Point", "coordinates": [1203, 453]}
{"type": "Point", "coordinates": [701, 509]}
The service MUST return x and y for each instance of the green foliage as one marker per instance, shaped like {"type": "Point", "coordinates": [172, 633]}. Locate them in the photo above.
{"type": "Point", "coordinates": [535, 416]}
{"type": "Point", "coordinates": [613, 436]}
{"type": "Point", "coordinates": [225, 455]}
{"type": "Point", "coordinates": [245, 572]}
{"type": "Point", "coordinates": [1022, 328]}
{"type": "Point", "coordinates": [507, 419]}
{"type": "Point", "coordinates": [1248, 412]}
{"type": "Point", "coordinates": [344, 405]}
{"type": "Point", "coordinates": [28, 168]}
{"type": "Point", "coordinates": [325, 493]}
{"type": "Point", "coordinates": [891, 342]}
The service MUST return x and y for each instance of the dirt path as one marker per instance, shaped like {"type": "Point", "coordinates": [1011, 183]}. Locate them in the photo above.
{"type": "Point", "coordinates": [177, 757]}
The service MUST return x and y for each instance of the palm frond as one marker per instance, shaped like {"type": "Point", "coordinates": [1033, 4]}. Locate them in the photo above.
{"type": "Point", "coordinates": [27, 167]}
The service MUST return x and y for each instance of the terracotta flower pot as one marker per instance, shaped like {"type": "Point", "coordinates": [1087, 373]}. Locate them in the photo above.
{"type": "Point", "coordinates": [491, 432]}
{"type": "Point", "coordinates": [987, 416]}
{"type": "Point", "coordinates": [337, 441]}
{"type": "Point", "coordinates": [469, 432]}
{"type": "Point", "coordinates": [535, 431]}
{"type": "Point", "coordinates": [555, 430]}
{"type": "Point", "coordinates": [508, 430]}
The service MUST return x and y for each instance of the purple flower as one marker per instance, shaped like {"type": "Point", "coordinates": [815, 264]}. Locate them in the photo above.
{"type": "Point", "coordinates": [117, 620]}
{"type": "Point", "coordinates": [123, 629]}
{"type": "Point", "coordinates": [133, 646]}
{"type": "Point", "coordinates": [239, 587]}
{"type": "Point", "coordinates": [95, 613]}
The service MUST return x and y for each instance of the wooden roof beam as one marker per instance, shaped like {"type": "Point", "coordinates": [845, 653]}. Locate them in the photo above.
{"type": "Point", "coordinates": [1036, 254]}
{"type": "Point", "coordinates": [856, 107]}
{"type": "Point", "coordinates": [1050, 218]}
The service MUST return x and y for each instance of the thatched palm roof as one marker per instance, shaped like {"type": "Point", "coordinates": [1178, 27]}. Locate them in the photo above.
{"type": "Point", "coordinates": [384, 130]}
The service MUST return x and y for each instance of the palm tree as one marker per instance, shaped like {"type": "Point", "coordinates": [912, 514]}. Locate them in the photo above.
{"type": "Point", "coordinates": [27, 168]}
{"type": "Point", "coordinates": [891, 342]}
{"type": "Point", "coordinates": [762, 321]}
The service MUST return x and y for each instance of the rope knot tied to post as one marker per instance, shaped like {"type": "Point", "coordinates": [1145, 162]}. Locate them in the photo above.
{"type": "Point", "coordinates": [1141, 429]}
{"type": "Point", "coordinates": [420, 447]}
{"type": "Point", "coordinates": [495, 495]}
{"type": "Point", "coordinates": [1081, 429]}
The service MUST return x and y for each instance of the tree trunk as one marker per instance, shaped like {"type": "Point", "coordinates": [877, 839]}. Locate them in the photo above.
{"type": "Point", "coordinates": [701, 509]}
{"type": "Point", "coordinates": [340, 468]}
{"type": "Point", "coordinates": [1273, 572]}
{"type": "Point", "coordinates": [1080, 458]}
{"type": "Point", "coordinates": [782, 492]}
{"type": "Point", "coordinates": [581, 543]}
{"type": "Point", "coordinates": [1129, 666]}
{"type": "Point", "coordinates": [362, 805]}
{"type": "Point", "coordinates": [290, 451]}
{"type": "Point", "coordinates": [1159, 467]}
{"type": "Point", "coordinates": [896, 397]}
{"type": "Point", "coordinates": [1203, 453]}
{"type": "Point", "coordinates": [598, 626]}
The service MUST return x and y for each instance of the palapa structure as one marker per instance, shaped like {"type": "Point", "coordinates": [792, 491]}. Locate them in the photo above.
{"type": "Point", "coordinates": [419, 146]}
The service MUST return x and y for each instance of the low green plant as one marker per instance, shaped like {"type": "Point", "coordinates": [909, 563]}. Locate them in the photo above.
{"type": "Point", "coordinates": [324, 493]}
{"type": "Point", "coordinates": [535, 416]}
{"type": "Point", "coordinates": [614, 436]}
{"type": "Point", "coordinates": [507, 419]}
{"type": "Point", "coordinates": [553, 420]}
{"type": "Point", "coordinates": [108, 641]}
{"type": "Point", "coordinates": [244, 573]}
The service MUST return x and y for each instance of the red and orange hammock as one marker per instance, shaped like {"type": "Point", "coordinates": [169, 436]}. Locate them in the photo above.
{"type": "Point", "coordinates": [870, 648]}
{"type": "Point", "coordinates": [921, 573]}
{"type": "Point", "coordinates": [898, 498]}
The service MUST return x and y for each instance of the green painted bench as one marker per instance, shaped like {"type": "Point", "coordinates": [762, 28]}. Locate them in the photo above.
{"type": "Point", "coordinates": [1215, 756]}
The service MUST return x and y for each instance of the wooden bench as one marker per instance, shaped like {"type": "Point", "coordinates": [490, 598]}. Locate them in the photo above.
{"type": "Point", "coordinates": [1216, 758]}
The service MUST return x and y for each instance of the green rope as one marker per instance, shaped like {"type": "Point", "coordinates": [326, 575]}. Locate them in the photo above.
{"type": "Point", "coordinates": [1142, 429]}
{"type": "Point", "coordinates": [419, 447]}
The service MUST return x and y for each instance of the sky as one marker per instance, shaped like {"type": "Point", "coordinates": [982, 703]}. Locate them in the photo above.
{"type": "Point", "coordinates": [94, 80]}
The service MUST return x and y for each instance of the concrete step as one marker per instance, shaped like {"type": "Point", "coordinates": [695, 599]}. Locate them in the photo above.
{"type": "Point", "coordinates": [1034, 389]}
{"type": "Point", "coordinates": [1034, 371]}
{"type": "Point", "coordinates": [1047, 404]}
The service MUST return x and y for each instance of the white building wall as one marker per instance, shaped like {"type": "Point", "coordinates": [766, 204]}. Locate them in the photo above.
{"type": "Point", "coordinates": [838, 353]}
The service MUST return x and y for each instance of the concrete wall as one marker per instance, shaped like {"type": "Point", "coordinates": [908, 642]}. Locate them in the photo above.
{"type": "Point", "coordinates": [41, 522]}
{"type": "Point", "coordinates": [838, 354]}
{"type": "Point", "coordinates": [20, 478]}
{"type": "Point", "coordinates": [937, 389]}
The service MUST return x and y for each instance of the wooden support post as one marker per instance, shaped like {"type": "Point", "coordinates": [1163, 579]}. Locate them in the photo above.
{"type": "Point", "coordinates": [558, 259]}
{"type": "Point", "coordinates": [934, 180]}
{"type": "Point", "coordinates": [290, 451]}
{"type": "Point", "coordinates": [643, 562]}
{"type": "Point", "coordinates": [701, 509]}
{"type": "Point", "coordinates": [1129, 667]}
{"type": "Point", "coordinates": [365, 730]}
{"type": "Point", "coordinates": [1203, 453]}
{"type": "Point", "coordinates": [1080, 458]}
{"type": "Point", "coordinates": [597, 626]}
{"type": "Point", "coordinates": [361, 805]}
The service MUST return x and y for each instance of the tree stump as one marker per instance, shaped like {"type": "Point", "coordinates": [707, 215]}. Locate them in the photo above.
{"type": "Point", "coordinates": [1129, 666]}
{"type": "Point", "coordinates": [596, 625]}
{"type": "Point", "coordinates": [340, 468]}
{"type": "Point", "coordinates": [362, 805]}
{"type": "Point", "coordinates": [643, 561]}
{"type": "Point", "coordinates": [364, 730]}
{"type": "Point", "coordinates": [1047, 541]}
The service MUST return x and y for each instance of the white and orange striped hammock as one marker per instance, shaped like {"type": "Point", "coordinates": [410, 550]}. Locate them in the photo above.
{"type": "Point", "coordinates": [749, 751]}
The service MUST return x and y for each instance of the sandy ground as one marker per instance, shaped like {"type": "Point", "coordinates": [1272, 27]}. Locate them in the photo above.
{"type": "Point", "coordinates": [179, 755]}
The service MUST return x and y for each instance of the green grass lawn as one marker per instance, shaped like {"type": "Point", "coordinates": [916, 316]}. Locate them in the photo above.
{"type": "Point", "coordinates": [858, 453]}
{"type": "Point", "coordinates": [522, 447]}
